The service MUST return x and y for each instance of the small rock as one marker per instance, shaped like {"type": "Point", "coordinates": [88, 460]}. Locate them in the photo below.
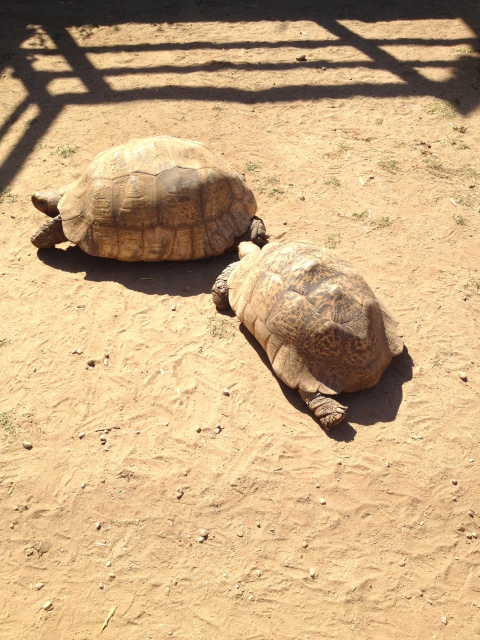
{"type": "Point", "coordinates": [27, 445]}
{"type": "Point", "coordinates": [200, 539]}
{"type": "Point", "coordinates": [81, 435]}
{"type": "Point", "coordinates": [91, 362]}
{"type": "Point", "coordinates": [463, 376]}
{"type": "Point", "coordinates": [302, 58]}
{"type": "Point", "coordinates": [250, 597]}
{"type": "Point", "coordinates": [474, 534]}
{"type": "Point", "coordinates": [454, 482]}
{"type": "Point", "coordinates": [203, 533]}
{"type": "Point", "coordinates": [471, 513]}
{"type": "Point", "coordinates": [304, 544]}
{"type": "Point", "coordinates": [137, 433]}
{"type": "Point", "coordinates": [29, 552]}
{"type": "Point", "coordinates": [312, 573]}
{"type": "Point", "coordinates": [39, 586]}
{"type": "Point", "coordinates": [103, 439]}
{"type": "Point", "coordinates": [461, 528]}
{"type": "Point", "coordinates": [469, 536]}
{"type": "Point", "coordinates": [101, 585]}
{"type": "Point", "coordinates": [198, 429]}
{"type": "Point", "coordinates": [179, 493]}
{"type": "Point", "coordinates": [173, 308]}
{"type": "Point", "coordinates": [240, 534]}
{"type": "Point", "coordinates": [48, 605]}
{"type": "Point", "coordinates": [444, 619]}
{"type": "Point", "coordinates": [108, 563]}
{"type": "Point", "coordinates": [258, 573]}
{"type": "Point", "coordinates": [98, 526]}
{"type": "Point", "coordinates": [258, 524]}
{"type": "Point", "coordinates": [111, 575]}
{"type": "Point", "coordinates": [83, 485]}
{"type": "Point", "coordinates": [218, 428]}
{"type": "Point", "coordinates": [226, 392]}
{"type": "Point", "coordinates": [322, 501]}
{"type": "Point", "coordinates": [402, 562]}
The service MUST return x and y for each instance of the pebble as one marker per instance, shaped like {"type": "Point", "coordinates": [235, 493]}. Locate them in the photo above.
{"type": "Point", "coordinates": [81, 435]}
{"type": "Point", "coordinates": [454, 481]}
{"type": "Point", "coordinates": [463, 376]}
{"type": "Point", "coordinates": [39, 586]}
{"type": "Point", "coordinates": [312, 572]}
{"type": "Point", "coordinates": [83, 485]}
{"type": "Point", "coordinates": [444, 619]}
{"type": "Point", "coordinates": [240, 534]}
{"type": "Point", "coordinates": [460, 528]}
{"type": "Point", "coordinates": [258, 524]}
{"type": "Point", "coordinates": [471, 513]}
{"type": "Point", "coordinates": [322, 501]}
{"type": "Point", "coordinates": [98, 526]}
{"type": "Point", "coordinates": [101, 585]}
{"type": "Point", "coordinates": [173, 308]}
{"type": "Point", "coordinates": [179, 493]}
{"type": "Point", "coordinates": [27, 445]}
{"type": "Point", "coordinates": [474, 534]}
{"type": "Point", "coordinates": [48, 605]}
{"type": "Point", "coordinates": [29, 552]}
{"type": "Point", "coordinates": [304, 544]}
{"type": "Point", "coordinates": [198, 429]}
{"type": "Point", "coordinates": [111, 575]}
{"type": "Point", "coordinates": [258, 573]}
{"type": "Point", "coordinates": [226, 392]}
{"type": "Point", "coordinates": [301, 58]}
{"type": "Point", "coordinates": [204, 533]}
{"type": "Point", "coordinates": [471, 460]}
{"type": "Point", "coordinates": [250, 597]}
{"type": "Point", "coordinates": [108, 563]}
{"type": "Point", "coordinates": [103, 439]}
{"type": "Point", "coordinates": [91, 362]}
{"type": "Point", "coordinates": [402, 562]}
{"type": "Point", "coordinates": [218, 428]}
{"type": "Point", "coordinates": [200, 539]}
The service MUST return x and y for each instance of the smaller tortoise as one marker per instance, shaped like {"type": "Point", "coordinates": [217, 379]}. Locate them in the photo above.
{"type": "Point", "coordinates": [154, 199]}
{"type": "Point", "coordinates": [322, 327]}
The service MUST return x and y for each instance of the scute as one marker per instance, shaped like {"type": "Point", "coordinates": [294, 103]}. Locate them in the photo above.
{"type": "Point", "coordinates": [319, 322]}
{"type": "Point", "coordinates": [157, 199]}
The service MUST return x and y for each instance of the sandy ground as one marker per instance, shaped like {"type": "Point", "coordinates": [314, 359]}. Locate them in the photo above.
{"type": "Point", "coordinates": [369, 145]}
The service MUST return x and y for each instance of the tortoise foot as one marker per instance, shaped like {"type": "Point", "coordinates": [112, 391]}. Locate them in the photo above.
{"type": "Point", "coordinates": [49, 234]}
{"type": "Point", "coordinates": [328, 411]}
{"type": "Point", "coordinates": [220, 288]}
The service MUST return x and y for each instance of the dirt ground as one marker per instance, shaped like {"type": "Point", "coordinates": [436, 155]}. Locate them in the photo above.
{"type": "Point", "coordinates": [357, 126]}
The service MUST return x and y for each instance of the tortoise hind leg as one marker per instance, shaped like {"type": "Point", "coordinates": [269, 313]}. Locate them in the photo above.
{"type": "Point", "coordinates": [49, 234]}
{"type": "Point", "coordinates": [256, 233]}
{"type": "Point", "coordinates": [328, 411]}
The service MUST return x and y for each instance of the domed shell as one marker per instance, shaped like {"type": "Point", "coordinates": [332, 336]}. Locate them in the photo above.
{"type": "Point", "coordinates": [319, 322]}
{"type": "Point", "coordinates": [157, 199]}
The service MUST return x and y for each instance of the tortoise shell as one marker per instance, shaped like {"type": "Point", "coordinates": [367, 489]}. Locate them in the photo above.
{"type": "Point", "coordinates": [319, 322]}
{"type": "Point", "coordinates": [157, 199]}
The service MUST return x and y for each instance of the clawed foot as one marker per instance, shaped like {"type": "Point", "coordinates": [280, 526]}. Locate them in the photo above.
{"type": "Point", "coordinates": [328, 411]}
{"type": "Point", "coordinates": [220, 288]}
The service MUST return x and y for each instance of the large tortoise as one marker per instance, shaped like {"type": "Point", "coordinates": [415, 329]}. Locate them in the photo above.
{"type": "Point", "coordinates": [153, 199]}
{"type": "Point", "coordinates": [322, 327]}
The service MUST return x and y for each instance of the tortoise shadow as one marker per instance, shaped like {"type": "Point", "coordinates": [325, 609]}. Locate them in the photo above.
{"type": "Point", "coordinates": [379, 404]}
{"type": "Point", "coordinates": [185, 279]}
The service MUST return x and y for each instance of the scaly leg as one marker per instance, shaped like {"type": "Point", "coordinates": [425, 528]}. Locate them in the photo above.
{"type": "Point", "coordinates": [328, 411]}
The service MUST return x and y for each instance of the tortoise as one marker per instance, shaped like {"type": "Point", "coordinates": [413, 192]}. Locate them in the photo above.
{"type": "Point", "coordinates": [322, 327]}
{"type": "Point", "coordinates": [153, 199]}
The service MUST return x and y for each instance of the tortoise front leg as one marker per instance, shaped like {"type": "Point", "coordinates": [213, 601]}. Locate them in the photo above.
{"type": "Point", "coordinates": [220, 288]}
{"type": "Point", "coordinates": [328, 411]}
{"type": "Point", "coordinates": [49, 234]}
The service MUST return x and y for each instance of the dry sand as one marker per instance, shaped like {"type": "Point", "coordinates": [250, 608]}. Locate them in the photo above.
{"type": "Point", "coordinates": [369, 144]}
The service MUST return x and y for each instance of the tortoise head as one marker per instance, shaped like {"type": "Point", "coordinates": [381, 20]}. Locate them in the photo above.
{"type": "Point", "coordinates": [47, 202]}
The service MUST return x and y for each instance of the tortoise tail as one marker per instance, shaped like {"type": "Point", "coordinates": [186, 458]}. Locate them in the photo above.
{"type": "Point", "coordinates": [49, 234]}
